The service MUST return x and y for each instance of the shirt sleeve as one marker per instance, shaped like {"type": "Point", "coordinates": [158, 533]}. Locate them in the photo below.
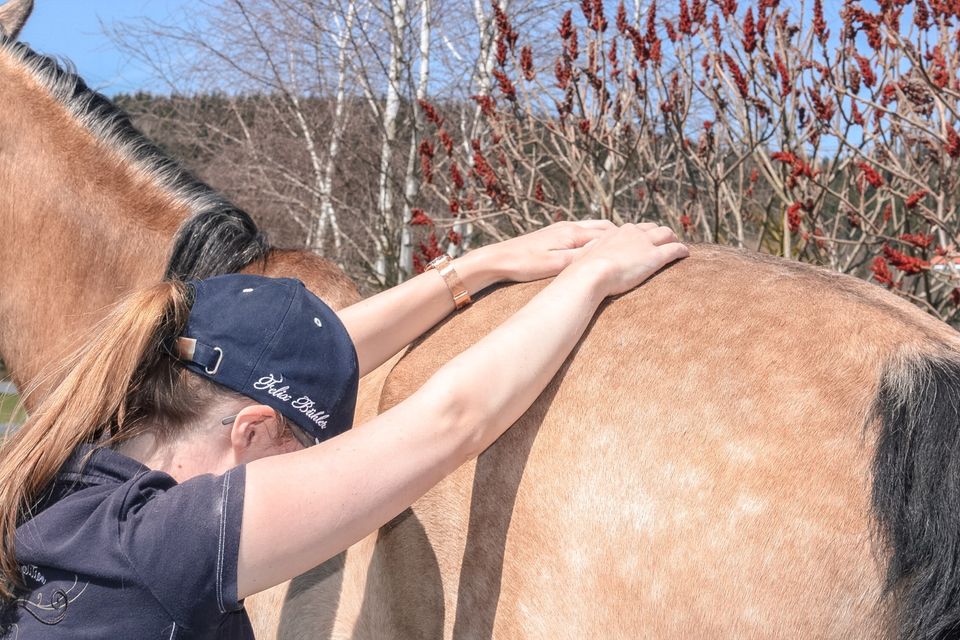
{"type": "Point", "coordinates": [183, 541]}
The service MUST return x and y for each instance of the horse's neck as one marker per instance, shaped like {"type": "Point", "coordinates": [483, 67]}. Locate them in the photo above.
{"type": "Point", "coordinates": [90, 220]}
{"type": "Point", "coordinates": [88, 227]}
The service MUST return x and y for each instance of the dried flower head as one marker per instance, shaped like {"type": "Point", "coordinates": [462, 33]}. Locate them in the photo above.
{"type": "Point", "coordinates": [903, 262]}
{"type": "Point", "coordinates": [881, 272]}
{"type": "Point", "coordinates": [420, 218]}
{"type": "Point", "coordinates": [914, 198]}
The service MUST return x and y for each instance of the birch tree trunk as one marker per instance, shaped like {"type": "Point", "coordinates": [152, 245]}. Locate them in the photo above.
{"type": "Point", "coordinates": [391, 110]}
{"type": "Point", "coordinates": [328, 215]}
{"type": "Point", "coordinates": [412, 181]}
{"type": "Point", "coordinates": [483, 72]}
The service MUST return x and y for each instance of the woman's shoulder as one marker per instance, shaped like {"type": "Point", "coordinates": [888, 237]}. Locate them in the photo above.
{"type": "Point", "coordinates": [115, 519]}
{"type": "Point", "coordinates": [91, 481]}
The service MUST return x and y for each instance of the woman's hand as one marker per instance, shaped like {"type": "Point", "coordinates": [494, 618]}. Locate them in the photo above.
{"type": "Point", "coordinates": [540, 254]}
{"type": "Point", "coordinates": [626, 256]}
{"type": "Point", "coordinates": [382, 324]}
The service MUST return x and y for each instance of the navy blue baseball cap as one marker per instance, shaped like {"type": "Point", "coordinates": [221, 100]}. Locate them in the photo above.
{"type": "Point", "coordinates": [274, 341]}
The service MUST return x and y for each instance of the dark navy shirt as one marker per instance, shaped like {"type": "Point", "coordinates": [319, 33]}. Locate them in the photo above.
{"type": "Point", "coordinates": [118, 551]}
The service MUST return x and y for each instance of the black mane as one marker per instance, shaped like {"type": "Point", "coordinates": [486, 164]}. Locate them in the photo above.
{"type": "Point", "coordinates": [217, 237]}
{"type": "Point", "coordinates": [214, 243]}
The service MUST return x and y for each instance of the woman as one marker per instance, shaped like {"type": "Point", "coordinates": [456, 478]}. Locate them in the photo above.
{"type": "Point", "coordinates": [171, 473]}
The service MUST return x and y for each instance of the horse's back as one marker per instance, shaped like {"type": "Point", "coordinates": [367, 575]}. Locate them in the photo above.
{"type": "Point", "coordinates": [702, 463]}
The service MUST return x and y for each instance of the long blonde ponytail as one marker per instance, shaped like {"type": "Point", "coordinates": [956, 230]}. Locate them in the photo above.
{"type": "Point", "coordinates": [119, 382]}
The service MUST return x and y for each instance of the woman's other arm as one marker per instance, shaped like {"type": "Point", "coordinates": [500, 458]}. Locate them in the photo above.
{"type": "Point", "coordinates": [304, 507]}
{"type": "Point", "coordinates": [383, 324]}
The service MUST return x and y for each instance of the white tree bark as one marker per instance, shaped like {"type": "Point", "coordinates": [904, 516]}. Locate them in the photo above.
{"type": "Point", "coordinates": [291, 90]}
{"type": "Point", "coordinates": [398, 15]}
{"type": "Point", "coordinates": [412, 181]}
{"type": "Point", "coordinates": [485, 35]}
{"type": "Point", "coordinates": [328, 214]}
{"type": "Point", "coordinates": [482, 78]}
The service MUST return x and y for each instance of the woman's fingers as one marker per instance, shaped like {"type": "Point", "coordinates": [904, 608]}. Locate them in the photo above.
{"type": "Point", "coordinates": [631, 254]}
{"type": "Point", "coordinates": [546, 252]}
{"type": "Point", "coordinates": [607, 224]}
{"type": "Point", "coordinates": [669, 252]}
{"type": "Point", "coordinates": [590, 244]}
{"type": "Point", "coordinates": [587, 230]}
{"type": "Point", "coordinates": [593, 224]}
{"type": "Point", "coordinates": [569, 255]}
{"type": "Point", "coordinates": [580, 233]}
{"type": "Point", "coordinates": [661, 235]}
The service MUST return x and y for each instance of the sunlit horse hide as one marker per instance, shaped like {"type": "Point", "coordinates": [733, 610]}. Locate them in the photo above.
{"type": "Point", "coordinates": [743, 447]}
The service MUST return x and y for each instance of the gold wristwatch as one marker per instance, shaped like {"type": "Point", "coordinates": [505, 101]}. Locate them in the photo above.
{"type": "Point", "coordinates": [444, 266]}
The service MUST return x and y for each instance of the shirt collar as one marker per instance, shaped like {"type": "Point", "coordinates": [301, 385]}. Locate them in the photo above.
{"type": "Point", "coordinates": [96, 465]}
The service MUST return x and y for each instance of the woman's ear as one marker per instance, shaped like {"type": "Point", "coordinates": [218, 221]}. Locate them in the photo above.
{"type": "Point", "coordinates": [254, 433]}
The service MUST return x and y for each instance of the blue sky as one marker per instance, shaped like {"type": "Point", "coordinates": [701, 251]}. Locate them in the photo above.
{"type": "Point", "coordinates": [72, 29]}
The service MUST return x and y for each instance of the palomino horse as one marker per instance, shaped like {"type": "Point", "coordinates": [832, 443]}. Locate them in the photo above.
{"type": "Point", "coordinates": [742, 447]}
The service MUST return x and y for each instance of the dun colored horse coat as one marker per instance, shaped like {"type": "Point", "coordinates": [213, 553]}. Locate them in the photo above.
{"type": "Point", "coordinates": [742, 447]}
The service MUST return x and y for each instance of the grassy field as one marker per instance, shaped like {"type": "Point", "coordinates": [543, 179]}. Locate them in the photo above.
{"type": "Point", "coordinates": [8, 409]}
{"type": "Point", "coordinates": [8, 403]}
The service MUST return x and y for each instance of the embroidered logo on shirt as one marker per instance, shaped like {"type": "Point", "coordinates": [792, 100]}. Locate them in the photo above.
{"type": "Point", "coordinates": [48, 605]}
{"type": "Point", "coordinates": [32, 571]}
{"type": "Point", "coordinates": [270, 383]}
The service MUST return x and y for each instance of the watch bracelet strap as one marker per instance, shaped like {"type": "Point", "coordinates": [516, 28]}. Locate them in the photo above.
{"type": "Point", "coordinates": [444, 266]}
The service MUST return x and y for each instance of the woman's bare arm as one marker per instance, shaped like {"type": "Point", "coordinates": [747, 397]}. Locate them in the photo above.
{"type": "Point", "coordinates": [383, 324]}
{"type": "Point", "coordinates": [302, 508]}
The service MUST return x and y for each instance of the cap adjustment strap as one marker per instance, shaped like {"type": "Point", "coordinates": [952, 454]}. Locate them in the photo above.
{"type": "Point", "coordinates": [190, 350]}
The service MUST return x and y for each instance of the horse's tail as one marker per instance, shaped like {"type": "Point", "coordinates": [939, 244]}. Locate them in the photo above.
{"type": "Point", "coordinates": [916, 492]}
